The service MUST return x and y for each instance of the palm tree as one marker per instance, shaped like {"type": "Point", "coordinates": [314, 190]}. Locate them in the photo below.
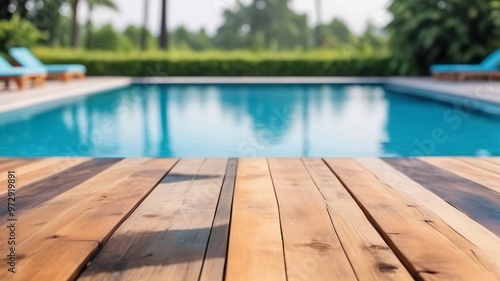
{"type": "Point", "coordinates": [74, 23]}
{"type": "Point", "coordinates": [145, 26]}
{"type": "Point", "coordinates": [91, 5]}
{"type": "Point", "coordinates": [163, 27]}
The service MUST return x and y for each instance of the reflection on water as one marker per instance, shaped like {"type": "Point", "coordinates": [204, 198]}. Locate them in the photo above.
{"type": "Point", "coordinates": [249, 120]}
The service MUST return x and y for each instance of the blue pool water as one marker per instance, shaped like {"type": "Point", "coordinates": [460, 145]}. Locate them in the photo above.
{"type": "Point", "coordinates": [247, 121]}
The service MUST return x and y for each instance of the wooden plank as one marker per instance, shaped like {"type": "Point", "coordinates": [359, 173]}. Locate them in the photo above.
{"type": "Point", "coordinates": [39, 169]}
{"type": "Point", "coordinates": [255, 244]}
{"type": "Point", "coordinates": [154, 214]}
{"type": "Point", "coordinates": [477, 201]}
{"type": "Point", "coordinates": [167, 236]}
{"type": "Point", "coordinates": [369, 255]}
{"type": "Point", "coordinates": [215, 257]}
{"type": "Point", "coordinates": [40, 192]}
{"type": "Point", "coordinates": [425, 252]}
{"type": "Point", "coordinates": [91, 178]}
{"type": "Point", "coordinates": [478, 235]}
{"type": "Point", "coordinates": [482, 163]}
{"type": "Point", "coordinates": [467, 171]}
{"type": "Point", "coordinates": [15, 163]}
{"type": "Point", "coordinates": [88, 212]}
{"type": "Point", "coordinates": [116, 201]}
{"type": "Point", "coordinates": [55, 264]}
{"type": "Point", "coordinates": [4, 160]}
{"type": "Point", "coordinates": [310, 240]}
{"type": "Point", "coordinates": [494, 160]}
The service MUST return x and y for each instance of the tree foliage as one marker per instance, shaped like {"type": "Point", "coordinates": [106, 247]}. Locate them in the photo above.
{"type": "Point", "coordinates": [91, 4]}
{"type": "Point", "coordinates": [44, 14]}
{"type": "Point", "coordinates": [106, 38]}
{"type": "Point", "coordinates": [134, 35]}
{"type": "Point", "coordinates": [333, 34]}
{"type": "Point", "coordinates": [266, 24]}
{"type": "Point", "coordinates": [18, 32]}
{"type": "Point", "coordinates": [255, 25]}
{"type": "Point", "coordinates": [183, 39]}
{"type": "Point", "coordinates": [442, 31]}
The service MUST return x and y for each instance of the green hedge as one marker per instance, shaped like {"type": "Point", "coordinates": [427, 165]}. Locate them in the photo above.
{"type": "Point", "coordinates": [231, 67]}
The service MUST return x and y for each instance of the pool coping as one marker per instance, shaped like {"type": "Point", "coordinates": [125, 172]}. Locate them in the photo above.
{"type": "Point", "coordinates": [15, 100]}
{"type": "Point", "coordinates": [478, 95]}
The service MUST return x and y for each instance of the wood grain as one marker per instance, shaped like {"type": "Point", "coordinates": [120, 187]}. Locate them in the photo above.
{"type": "Point", "coordinates": [108, 197]}
{"type": "Point", "coordinates": [310, 240]}
{"type": "Point", "coordinates": [168, 233]}
{"type": "Point", "coordinates": [255, 244]}
{"type": "Point", "coordinates": [369, 255]}
{"type": "Point", "coordinates": [468, 171]}
{"type": "Point", "coordinates": [483, 163]}
{"type": "Point", "coordinates": [40, 192]}
{"type": "Point", "coordinates": [477, 201]}
{"type": "Point", "coordinates": [255, 219]}
{"type": "Point", "coordinates": [215, 257]}
{"type": "Point", "coordinates": [54, 264]}
{"type": "Point", "coordinates": [494, 160]}
{"type": "Point", "coordinates": [39, 169]}
{"type": "Point", "coordinates": [113, 203]}
{"type": "Point", "coordinates": [482, 240]}
{"type": "Point", "coordinates": [14, 163]}
{"type": "Point", "coordinates": [426, 253]}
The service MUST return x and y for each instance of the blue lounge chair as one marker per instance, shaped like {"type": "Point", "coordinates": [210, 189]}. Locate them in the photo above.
{"type": "Point", "coordinates": [489, 67]}
{"type": "Point", "coordinates": [20, 74]}
{"type": "Point", "coordinates": [63, 72]}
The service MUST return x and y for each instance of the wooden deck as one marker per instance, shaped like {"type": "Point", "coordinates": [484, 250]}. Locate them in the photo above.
{"type": "Point", "coordinates": [253, 219]}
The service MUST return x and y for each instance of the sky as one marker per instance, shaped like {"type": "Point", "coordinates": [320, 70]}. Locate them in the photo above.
{"type": "Point", "coordinates": [195, 14]}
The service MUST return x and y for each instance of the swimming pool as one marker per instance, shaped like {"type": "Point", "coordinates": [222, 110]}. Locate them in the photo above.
{"type": "Point", "coordinates": [248, 120]}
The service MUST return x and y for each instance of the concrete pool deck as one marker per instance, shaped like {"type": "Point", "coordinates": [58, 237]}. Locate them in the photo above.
{"type": "Point", "coordinates": [253, 219]}
{"type": "Point", "coordinates": [482, 95]}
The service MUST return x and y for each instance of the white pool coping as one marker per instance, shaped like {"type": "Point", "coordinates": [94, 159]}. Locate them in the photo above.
{"type": "Point", "coordinates": [481, 95]}
{"type": "Point", "coordinates": [13, 99]}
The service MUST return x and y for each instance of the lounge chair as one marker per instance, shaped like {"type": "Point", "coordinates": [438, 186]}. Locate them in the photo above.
{"type": "Point", "coordinates": [20, 74]}
{"type": "Point", "coordinates": [64, 72]}
{"type": "Point", "coordinates": [488, 68]}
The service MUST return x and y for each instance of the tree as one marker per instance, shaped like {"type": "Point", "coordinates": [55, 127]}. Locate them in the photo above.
{"type": "Point", "coordinates": [106, 38]}
{"type": "Point", "coordinates": [442, 31]}
{"type": "Point", "coordinates": [40, 13]}
{"type": "Point", "coordinates": [4, 10]}
{"type": "Point", "coordinates": [91, 5]}
{"type": "Point", "coordinates": [334, 33]}
{"type": "Point", "coordinates": [182, 39]}
{"type": "Point", "coordinates": [163, 26]}
{"type": "Point", "coordinates": [135, 35]}
{"type": "Point", "coordinates": [233, 33]}
{"type": "Point", "coordinates": [18, 32]}
{"type": "Point", "coordinates": [74, 23]}
{"type": "Point", "coordinates": [201, 41]}
{"type": "Point", "coordinates": [9, 8]}
{"type": "Point", "coordinates": [62, 33]}
{"type": "Point", "coordinates": [270, 23]}
{"type": "Point", "coordinates": [372, 38]}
